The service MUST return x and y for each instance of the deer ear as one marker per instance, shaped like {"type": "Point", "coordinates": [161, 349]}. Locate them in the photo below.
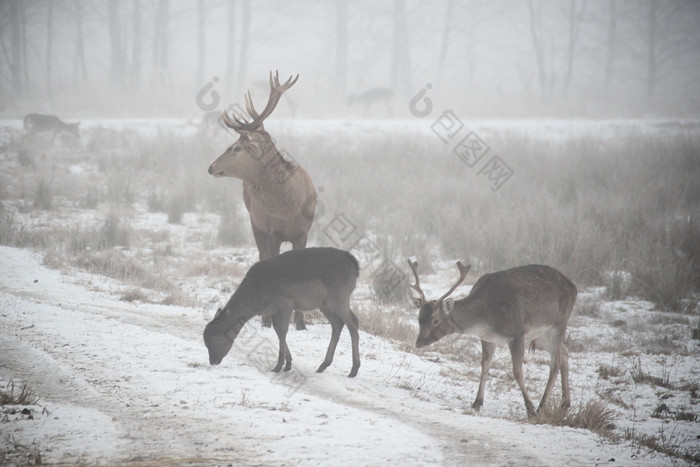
{"type": "Point", "coordinates": [448, 305]}
{"type": "Point", "coordinates": [417, 302]}
{"type": "Point", "coordinates": [218, 313]}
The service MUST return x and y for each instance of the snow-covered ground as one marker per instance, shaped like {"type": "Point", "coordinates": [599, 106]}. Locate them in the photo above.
{"type": "Point", "coordinates": [127, 380]}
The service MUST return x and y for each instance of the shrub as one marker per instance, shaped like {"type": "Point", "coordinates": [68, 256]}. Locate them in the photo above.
{"type": "Point", "coordinates": [594, 416]}
{"type": "Point", "coordinates": [43, 198]}
{"type": "Point", "coordinates": [231, 229]}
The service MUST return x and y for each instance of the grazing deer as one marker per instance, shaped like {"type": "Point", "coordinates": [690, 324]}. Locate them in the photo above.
{"type": "Point", "coordinates": [383, 96]}
{"type": "Point", "coordinates": [507, 307]}
{"type": "Point", "coordinates": [37, 123]}
{"type": "Point", "coordinates": [303, 279]}
{"type": "Point", "coordinates": [278, 193]}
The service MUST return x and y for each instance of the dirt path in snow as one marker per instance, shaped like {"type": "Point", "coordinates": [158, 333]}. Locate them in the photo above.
{"type": "Point", "coordinates": [134, 374]}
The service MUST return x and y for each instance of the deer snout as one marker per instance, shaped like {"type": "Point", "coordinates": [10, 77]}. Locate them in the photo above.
{"type": "Point", "coordinates": [215, 172]}
{"type": "Point", "coordinates": [424, 341]}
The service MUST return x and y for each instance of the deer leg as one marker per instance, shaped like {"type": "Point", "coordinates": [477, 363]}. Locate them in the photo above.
{"type": "Point", "coordinates": [280, 321]}
{"type": "Point", "coordinates": [336, 328]}
{"type": "Point", "coordinates": [261, 242]}
{"type": "Point", "coordinates": [565, 396]}
{"type": "Point", "coordinates": [353, 326]}
{"type": "Point", "coordinates": [487, 351]}
{"type": "Point", "coordinates": [298, 244]}
{"type": "Point", "coordinates": [554, 347]}
{"type": "Point", "coordinates": [517, 353]}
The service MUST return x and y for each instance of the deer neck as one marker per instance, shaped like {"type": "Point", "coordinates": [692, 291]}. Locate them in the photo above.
{"type": "Point", "coordinates": [269, 185]}
{"type": "Point", "coordinates": [467, 316]}
{"type": "Point", "coordinates": [236, 314]}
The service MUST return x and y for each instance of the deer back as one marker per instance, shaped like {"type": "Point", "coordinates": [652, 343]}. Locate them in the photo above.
{"type": "Point", "coordinates": [523, 300]}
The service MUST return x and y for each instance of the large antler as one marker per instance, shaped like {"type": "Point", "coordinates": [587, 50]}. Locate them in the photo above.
{"type": "Point", "coordinates": [416, 286]}
{"type": "Point", "coordinates": [276, 91]}
{"type": "Point", "coordinates": [463, 270]}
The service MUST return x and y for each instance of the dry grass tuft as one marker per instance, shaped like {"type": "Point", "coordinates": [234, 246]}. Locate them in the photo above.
{"type": "Point", "coordinates": [594, 416]}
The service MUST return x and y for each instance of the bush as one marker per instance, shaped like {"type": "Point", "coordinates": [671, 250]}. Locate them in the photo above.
{"type": "Point", "coordinates": [43, 198]}
{"type": "Point", "coordinates": [231, 230]}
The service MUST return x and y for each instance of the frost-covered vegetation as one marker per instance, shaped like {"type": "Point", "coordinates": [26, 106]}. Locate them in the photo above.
{"type": "Point", "coordinates": [615, 211]}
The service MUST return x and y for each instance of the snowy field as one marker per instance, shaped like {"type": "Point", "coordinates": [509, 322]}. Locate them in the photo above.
{"type": "Point", "coordinates": [121, 373]}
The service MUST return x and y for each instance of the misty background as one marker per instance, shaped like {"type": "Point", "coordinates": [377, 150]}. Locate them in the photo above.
{"type": "Point", "coordinates": [482, 58]}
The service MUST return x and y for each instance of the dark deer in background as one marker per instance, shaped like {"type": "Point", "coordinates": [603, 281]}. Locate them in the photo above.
{"type": "Point", "coordinates": [370, 97]}
{"type": "Point", "coordinates": [305, 279]}
{"type": "Point", "coordinates": [507, 307]}
{"type": "Point", "coordinates": [37, 123]}
{"type": "Point", "coordinates": [278, 193]}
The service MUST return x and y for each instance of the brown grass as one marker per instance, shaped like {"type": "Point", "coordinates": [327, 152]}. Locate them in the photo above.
{"type": "Point", "coordinates": [594, 416]}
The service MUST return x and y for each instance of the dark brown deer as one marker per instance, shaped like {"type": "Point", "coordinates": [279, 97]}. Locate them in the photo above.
{"type": "Point", "coordinates": [370, 97]}
{"type": "Point", "coordinates": [37, 123]}
{"type": "Point", "coordinates": [279, 194]}
{"type": "Point", "coordinates": [305, 279]}
{"type": "Point", "coordinates": [530, 303]}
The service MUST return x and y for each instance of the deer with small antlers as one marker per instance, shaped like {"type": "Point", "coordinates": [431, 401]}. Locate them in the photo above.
{"type": "Point", "coordinates": [528, 303]}
{"type": "Point", "coordinates": [279, 194]}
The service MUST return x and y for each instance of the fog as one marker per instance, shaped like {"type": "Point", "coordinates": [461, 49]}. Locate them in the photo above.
{"type": "Point", "coordinates": [482, 58]}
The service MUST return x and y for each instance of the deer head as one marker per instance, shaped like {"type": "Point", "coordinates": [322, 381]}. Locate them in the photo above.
{"type": "Point", "coordinates": [433, 318]}
{"type": "Point", "coordinates": [245, 157]}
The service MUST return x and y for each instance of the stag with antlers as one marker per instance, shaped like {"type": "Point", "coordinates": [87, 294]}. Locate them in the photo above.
{"type": "Point", "coordinates": [528, 303]}
{"type": "Point", "coordinates": [278, 193]}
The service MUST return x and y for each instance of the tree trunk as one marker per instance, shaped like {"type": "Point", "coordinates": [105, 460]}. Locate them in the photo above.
{"type": "Point", "coordinates": [539, 49]}
{"type": "Point", "coordinates": [611, 45]}
{"type": "Point", "coordinates": [16, 49]}
{"type": "Point", "coordinates": [79, 61]}
{"type": "Point", "coordinates": [341, 48]}
{"type": "Point", "coordinates": [446, 41]}
{"type": "Point", "coordinates": [160, 35]}
{"type": "Point", "coordinates": [245, 43]}
{"type": "Point", "coordinates": [201, 42]}
{"type": "Point", "coordinates": [575, 19]}
{"type": "Point", "coordinates": [400, 57]}
{"type": "Point", "coordinates": [49, 43]}
{"type": "Point", "coordinates": [136, 45]}
{"type": "Point", "coordinates": [23, 47]}
{"type": "Point", "coordinates": [115, 43]}
{"type": "Point", "coordinates": [651, 51]}
{"type": "Point", "coordinates": [231, 45]}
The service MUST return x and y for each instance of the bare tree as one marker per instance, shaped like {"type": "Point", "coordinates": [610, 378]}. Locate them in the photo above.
{"type": "Point", "coordinates": [575, 19]}
{"type": "Point", "coordinates": [116, 45]}
{"type": "Point", "coordinates": [400, 56]}
{"type": "Point", "coordinates": [245, 42]}
{"type": "Point", "coordinates": [341, 47]}
{"type": "Point", "coordinates": [611, 43]}
{"type": "Point", "coordinates": [537, 42]}
{"type": "Point", "coordinates": [16, 48]}
{"type": "Point", "coordinates": [445, 39]}
{"type": "Point", "coordinates": [79, 67]}
{"type": "Point", "coordinates": [231, 44]}
{"type": "Point", "coordinates": [160, 35]}
{"type": "Point", "coordinates": [49, 43]}
{"type": "Point", "coordinates": [136, 44]}
{"type": "Point", "coordinates": [201, 41]}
